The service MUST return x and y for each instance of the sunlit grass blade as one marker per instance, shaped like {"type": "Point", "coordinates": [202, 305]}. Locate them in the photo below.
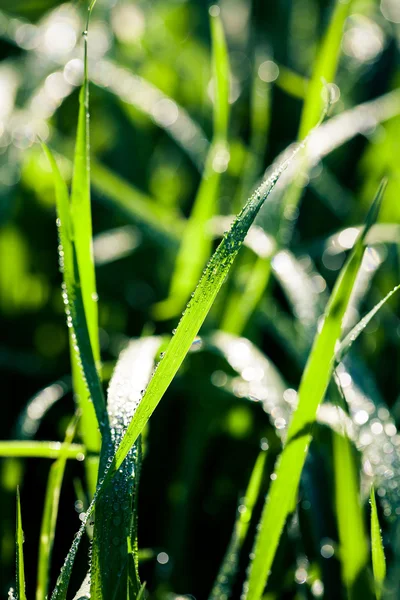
{"type": "Point", "coordinates": [31, 449]}
{"type": "Point", "coordinates": [351, 337]}
{"type": "Point", "coordinates": [19, 540]}
{"type": "Point", "coordinates": [223, 584]}
{"type": "Point", "coordinates": [378, 553]}
{"type": "Point", "coordinates": [349, 514]}
{"type": "Point", "coordinates": [315, 379]}
{"type": "Point", "coordinates": [196, 244]}
{"type": "Point", "coordinates": [50, 512]}
{"type": "Point", "coordinates": [115, 542]}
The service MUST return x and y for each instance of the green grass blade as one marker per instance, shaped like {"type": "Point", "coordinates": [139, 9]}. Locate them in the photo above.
{"type": "Point", "coordinates": [349, 514]}
{"type": "Point", "coordinates": [28, 449]}
{"type": "Point", "coordinates": [50, 512]}
{"type": "Point", "coordinates": [315, 379]}
{"type": "Point", "coordinates": [19, 540]}
{"type": "Point", "coordinates": [378, 553]}
{"type": "Point", "coordinates": [223, 584]}
{"type": "Point", "coordinates": [324, 68]}
{"type": "Point", "coordinates": [351, 337]}
{"type": "Point", "coordinates": [196, 242]}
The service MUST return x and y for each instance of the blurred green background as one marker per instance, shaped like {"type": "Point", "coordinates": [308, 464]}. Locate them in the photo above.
{"type": "Point", "coordinates": [150, 67]}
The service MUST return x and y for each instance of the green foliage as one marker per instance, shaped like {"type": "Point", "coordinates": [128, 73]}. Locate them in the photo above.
{"type": "Point", "coordinates": [188, 107]}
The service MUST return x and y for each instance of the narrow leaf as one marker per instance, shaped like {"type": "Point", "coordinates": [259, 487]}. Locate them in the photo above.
{"type": "Point", "coordinates": [378, 553]}
{"type": "Point", "coordinates": [28, 449]}
{"type": "Point", "coordinates": [351, 337]}
{"type": "Point", "coordinates": [50, 513]}
{"type": "Point", "coordinates": [19, 540]}
{"type": "Point", "coordinates": [349, 514]}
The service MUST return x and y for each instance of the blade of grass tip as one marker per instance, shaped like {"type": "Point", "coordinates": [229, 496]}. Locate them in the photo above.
{"type": "Point", "coordinates": [315, 379]}
{"type": "Point", "coordinates": [19, 540]}
{"type": "Point", "coordinates": [81, 223]}
{"type": "Point", "coordinates": [349, 513]}
{"type": "Point", "coordinates": [50, 512]}
{"type": "Point", "coordinates": [378, 553]}
{"type": "Point", "coordinates": [351, 337]}
{"type": "Point", "coordinates": [189, 326]}
{"type": "Point", "coordinates": [225, 578]}
{"type": "Point", "coordinates": [85, 376]}
{"type": "Point", "coordinates": [52, 450]}
{"type": "Point", "coordinates": [196, 244]}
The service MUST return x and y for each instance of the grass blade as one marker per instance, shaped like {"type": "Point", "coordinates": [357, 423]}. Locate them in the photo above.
{"type": "Point", "coordinates": [223, 584]}
{"type": "Point", "coordinates": [351, 337]}
{"type": "Point", "coordinates": [50, 512]}
{"type": "Point", "coordinates": [349, 514]}
{"type": "Point", "coordinates": [19, 540]}
{"type": "Point", "coordinates": [315, 379]}
{"type": "Point", "coordinates": [378, 553]}
{"type": "Point", "coordinates": [28, 449]}
{"type": "Point", "coordinates": [196, 242]}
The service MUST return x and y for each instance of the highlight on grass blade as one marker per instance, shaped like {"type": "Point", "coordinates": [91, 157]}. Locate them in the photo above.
{"type": "Point", "coordinates": [19, 540]}
{"type": "Point", "coordinates": [316, 376]}
{"type": "Point", "coordinates": [378, 553]}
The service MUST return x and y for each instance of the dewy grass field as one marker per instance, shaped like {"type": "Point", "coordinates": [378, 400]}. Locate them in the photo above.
{"type": "Point", "coordinates": [198, 404]}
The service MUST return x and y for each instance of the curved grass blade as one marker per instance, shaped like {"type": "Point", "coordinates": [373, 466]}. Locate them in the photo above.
{"type": "Point", "coordinates": [351, 337]}
{"type": "Point", "coordinates": [315, 379]}
{"type": "Point", "coordinates": [378, 553]}
{"type": "Point", "coordinates": [50, 512]}
{"type": "Point", "coordinates": [225, 578]}
{"type": "Point", "coordinates": [189, 326]}
{"type": "Point", "coordinates": [19, 540]}
{"type": "Point", "coordinates": [196, 242]}
{"type": "Point", "coordinates": [115, 543]}
{"type": "Point", "coordinates": [36, 408]}
{"type": "Point", "coordinates": [52, 450]}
